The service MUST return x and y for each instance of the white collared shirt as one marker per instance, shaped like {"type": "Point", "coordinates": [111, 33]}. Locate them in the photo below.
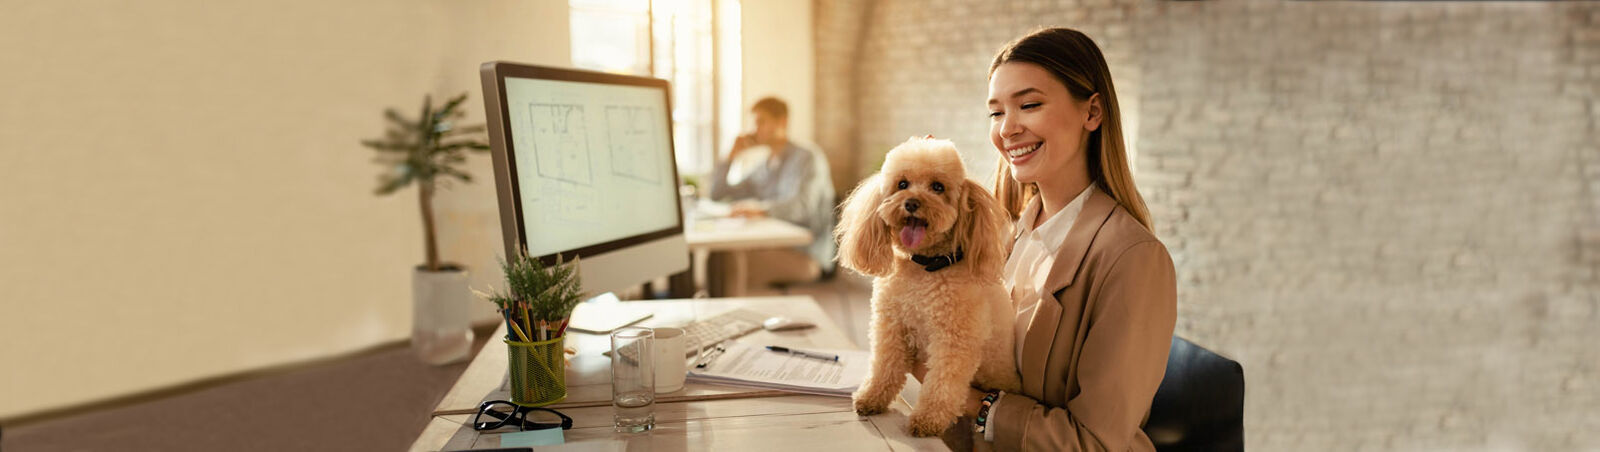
{"type": "Point", "coordinates": [1029, 264]}
{"type": "Point", "coordinates": [1033, 253]}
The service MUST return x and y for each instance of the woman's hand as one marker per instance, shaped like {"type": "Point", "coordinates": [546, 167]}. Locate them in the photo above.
{"type": "Point", "coordinates": [974, 402]}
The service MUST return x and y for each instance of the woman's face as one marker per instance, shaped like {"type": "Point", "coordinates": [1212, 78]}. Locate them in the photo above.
{"type": "Point", "coordinates": [1036, 124]}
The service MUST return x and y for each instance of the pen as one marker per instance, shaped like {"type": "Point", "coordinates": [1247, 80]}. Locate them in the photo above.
{"type": "Point", "coordinates": [803, 353]}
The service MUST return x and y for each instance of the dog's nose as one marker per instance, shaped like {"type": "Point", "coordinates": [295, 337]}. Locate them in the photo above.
{"type": "Point", "coordinates": [911, 205]}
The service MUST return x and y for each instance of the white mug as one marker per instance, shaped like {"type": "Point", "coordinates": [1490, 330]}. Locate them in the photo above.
{"type": "Point", "coordinates": [671, 359]}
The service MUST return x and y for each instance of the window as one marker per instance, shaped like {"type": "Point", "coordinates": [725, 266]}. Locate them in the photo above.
{"type": "Point", "coordinates": [671, 39]}
{"type": "Point", "coordinates": [611, 35]}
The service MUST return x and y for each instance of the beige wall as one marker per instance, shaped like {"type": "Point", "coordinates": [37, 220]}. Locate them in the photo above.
{"type": "Point", "coordinates": [184, 195]}
{"type": "Point", "coordinates": [779, 59]}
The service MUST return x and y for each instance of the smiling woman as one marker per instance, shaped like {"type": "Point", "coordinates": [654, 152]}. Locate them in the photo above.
{"type": "Point", "coordinates": [1054, 94]}
{"type": "Point", "coordinates": [1095, 292]}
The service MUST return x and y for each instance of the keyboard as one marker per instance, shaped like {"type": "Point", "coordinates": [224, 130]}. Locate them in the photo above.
{"type": "Point", "coordinates": [712, 331]}
{"type": "Point", "coordinates": [709, 332]}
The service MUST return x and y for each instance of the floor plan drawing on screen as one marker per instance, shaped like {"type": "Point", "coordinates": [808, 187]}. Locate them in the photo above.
{"type": "Point", "coordinates": [570, 203]}
{"type": "Point", "coordinates": [635, 138]}
{"type": "Point", "coordinates": [560, 142]}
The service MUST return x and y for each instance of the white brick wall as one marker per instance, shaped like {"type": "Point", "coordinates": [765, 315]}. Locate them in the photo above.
{"type": "Point", "coordinates": [1388, 212]}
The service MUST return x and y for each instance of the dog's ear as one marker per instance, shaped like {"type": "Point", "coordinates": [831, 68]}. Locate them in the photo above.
{"type": "Point", "coordinates": [863, 238]}
{"type": "Point", "coordinates": [982, 230]}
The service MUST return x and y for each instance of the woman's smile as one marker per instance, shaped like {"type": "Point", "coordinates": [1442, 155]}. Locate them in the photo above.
{"type": "Point", "coordinates": [1023, 152]}
{"type": "Point", "coordinates": [1031, 111]}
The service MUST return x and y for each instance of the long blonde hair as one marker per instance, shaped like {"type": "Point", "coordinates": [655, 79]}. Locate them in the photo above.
{"type": "Point", "coordinates": [1076, 61]}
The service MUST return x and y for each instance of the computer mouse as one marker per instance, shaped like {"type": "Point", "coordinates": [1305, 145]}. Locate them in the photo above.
{"type": "Point", "coordinates": [781, 323]}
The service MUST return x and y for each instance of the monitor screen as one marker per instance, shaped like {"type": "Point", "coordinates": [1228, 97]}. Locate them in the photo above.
{"type": "Point", "coordinates": [584, 167]}
{"type": "Point", "coordinates": [593, 162]}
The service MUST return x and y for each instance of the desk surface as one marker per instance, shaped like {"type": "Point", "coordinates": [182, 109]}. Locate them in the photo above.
{"type": "Point", "coordinates": [729, 234]}
{"type": "Point", "coordinates": [698, 417]}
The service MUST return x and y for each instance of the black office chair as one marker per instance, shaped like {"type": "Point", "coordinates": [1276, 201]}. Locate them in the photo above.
{"type": "Point", "coordinates": [1200, 404]}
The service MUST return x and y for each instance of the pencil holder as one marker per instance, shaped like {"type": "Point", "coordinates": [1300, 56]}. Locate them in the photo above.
{"type": "Point", "coordinates": [538, 372]}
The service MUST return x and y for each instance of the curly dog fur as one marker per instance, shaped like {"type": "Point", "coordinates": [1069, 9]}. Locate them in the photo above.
{"type": "Point", "coordinates": [955, 319]}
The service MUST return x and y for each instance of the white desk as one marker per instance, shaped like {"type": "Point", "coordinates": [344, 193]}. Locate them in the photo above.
{"type": "Point", "coordinates": [733, 418]}
{"type": "Point", "coordinates": [739, 235]}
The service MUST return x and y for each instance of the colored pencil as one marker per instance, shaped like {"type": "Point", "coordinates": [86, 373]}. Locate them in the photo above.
{"type": "Point", "coordinates": [563, 329]}
{"type": "Point", "coordinates": [524, 336]}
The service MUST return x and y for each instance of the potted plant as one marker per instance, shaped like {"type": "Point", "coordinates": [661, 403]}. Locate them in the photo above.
{"type": "Point", "coordinates": [429, 151]}
{"type": "Point", "coordinates": [536, 307]}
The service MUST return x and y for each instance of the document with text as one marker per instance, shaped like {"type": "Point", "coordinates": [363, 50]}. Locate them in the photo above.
{"type": "Point", "coordinates": [738, 363]}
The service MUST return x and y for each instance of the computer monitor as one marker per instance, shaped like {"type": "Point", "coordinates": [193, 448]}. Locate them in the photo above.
{"type": "Point", "coordinates": [583, 163]}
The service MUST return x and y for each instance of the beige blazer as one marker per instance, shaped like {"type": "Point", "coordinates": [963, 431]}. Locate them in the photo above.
{"type": "Point", "coordinates": [1093, 354]}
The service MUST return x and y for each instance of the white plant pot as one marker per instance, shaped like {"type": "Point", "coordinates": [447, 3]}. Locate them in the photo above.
{"type": "Point", "coordinates": [440, 331]}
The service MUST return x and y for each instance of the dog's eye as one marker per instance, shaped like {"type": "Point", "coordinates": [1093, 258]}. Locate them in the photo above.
{"type": "Point", "coordinates": [937, 187]}
{"type": "Point", "coordinates": [903, 184]}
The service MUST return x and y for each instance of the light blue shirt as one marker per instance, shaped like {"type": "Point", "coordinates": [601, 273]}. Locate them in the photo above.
{"type": "Point", "coordinates": [797, 189]}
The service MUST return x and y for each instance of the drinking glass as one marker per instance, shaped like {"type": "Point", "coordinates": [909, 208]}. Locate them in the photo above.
{"type": "Point", "coordinates": [633, 379]}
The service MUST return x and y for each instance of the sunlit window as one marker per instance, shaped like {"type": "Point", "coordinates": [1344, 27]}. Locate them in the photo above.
{"type": "Point", "coordinates": [671, 39]}
{"type": "Point", "coordinates": [611, 35]}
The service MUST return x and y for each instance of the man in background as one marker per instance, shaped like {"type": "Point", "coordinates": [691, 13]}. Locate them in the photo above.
{"type": "Point", "coordinates": [792, 184]}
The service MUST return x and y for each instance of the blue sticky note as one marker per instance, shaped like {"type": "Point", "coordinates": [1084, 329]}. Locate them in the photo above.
{"type": "Point", "coordinates": [543, 437]}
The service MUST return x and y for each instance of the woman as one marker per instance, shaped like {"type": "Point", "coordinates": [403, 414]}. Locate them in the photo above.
{"type": "Point", "coordinates": [1094, 289]}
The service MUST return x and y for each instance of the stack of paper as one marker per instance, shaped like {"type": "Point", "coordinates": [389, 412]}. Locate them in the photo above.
{"type": "Point", "coordinates": [741, 364]}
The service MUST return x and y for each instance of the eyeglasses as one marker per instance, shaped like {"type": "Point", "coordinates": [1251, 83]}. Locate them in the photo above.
{"type": "Point", "coordinates": [507, 413]}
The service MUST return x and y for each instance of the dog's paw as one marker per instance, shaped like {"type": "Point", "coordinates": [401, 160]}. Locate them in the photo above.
{"type": "Point", "coordinates": [865, 406]}
{"type": "Point", "coordinates": [926, 424]}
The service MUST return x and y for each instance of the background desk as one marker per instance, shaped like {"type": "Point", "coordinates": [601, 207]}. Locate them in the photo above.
{"type": "Point", "coordinates": [757, 420]}
{"type": "Point", "coordinates": [738, 235]}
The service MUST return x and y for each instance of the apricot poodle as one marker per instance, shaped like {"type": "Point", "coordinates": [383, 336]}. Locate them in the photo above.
{"type": "Point", "coordinates": [935, 243]}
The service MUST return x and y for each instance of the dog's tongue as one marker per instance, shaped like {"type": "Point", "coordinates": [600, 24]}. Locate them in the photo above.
{"type": "Point", "coordinates": [911, 236]}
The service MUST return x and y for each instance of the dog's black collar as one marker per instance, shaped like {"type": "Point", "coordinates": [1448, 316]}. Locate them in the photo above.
{"type": "Point", "coordinates": [934, 263]}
